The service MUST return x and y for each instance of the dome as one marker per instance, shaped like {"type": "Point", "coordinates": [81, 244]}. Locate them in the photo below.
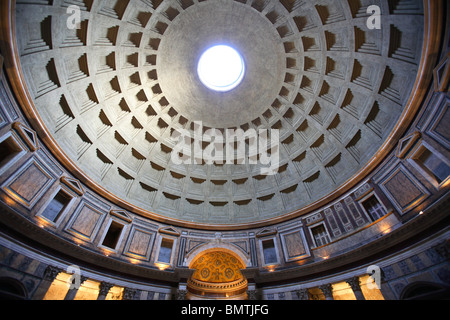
{"type": "Point", "coordinates": [120, 98]}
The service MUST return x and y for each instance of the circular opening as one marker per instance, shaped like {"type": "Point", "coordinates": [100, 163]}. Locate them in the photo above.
{"type": "Point", "coordinates": [221, 68]}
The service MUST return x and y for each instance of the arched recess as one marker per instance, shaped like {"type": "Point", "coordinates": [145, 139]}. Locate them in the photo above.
{"type": "Point", "coordinates": [12, 289]}
{"type": "Point", "coordinates": [214, 246]}
{"type": "Point", "coordinates": [422, 290]}
{"type": "Point", "coordinates": [217, 276]}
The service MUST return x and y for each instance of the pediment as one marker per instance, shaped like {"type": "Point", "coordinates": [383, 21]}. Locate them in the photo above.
{"type": "Point", "coordinates": [74, 185]}
{"type": "Point", "coordinates": [170, 230]}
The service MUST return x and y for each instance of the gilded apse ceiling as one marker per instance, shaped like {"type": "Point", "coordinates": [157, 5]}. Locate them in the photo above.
{"type": "Point", "coordinates": [217, 267]}
{"type": "Point", "coordinates": [111, 91]}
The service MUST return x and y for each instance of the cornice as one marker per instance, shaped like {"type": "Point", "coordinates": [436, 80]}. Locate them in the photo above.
{"type": "Point", "coordinates": [435, 219]}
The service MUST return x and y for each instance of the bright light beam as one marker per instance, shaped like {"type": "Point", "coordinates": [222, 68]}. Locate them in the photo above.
{"type": "Point", "coordinates": [221, 68]}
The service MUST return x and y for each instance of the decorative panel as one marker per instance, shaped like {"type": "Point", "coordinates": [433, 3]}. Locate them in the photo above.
{"type": "Point", "coordinates": [354, 211]}
{"type": "Point", "coordinates": [439, 128]}
{"type": "Point", "coordinates": [314, 218]}
{"type": "Point", "coordinates": [243, 245]}
{"type": "Point", "coordinates": [343, 216]}
{"type": "Point", "coordinates": [217, 267]}
{"type": "Point", "coordinates": [294, 245]}
{"type": "Point", "coordinates": [403, 189]}
{"type": "Point", "coordinates": [362, 191]}
{"type": "Point", "coordinates": [85, 221]}
{"type": "Point", "coordinates": [29, 183]}
{"type": "Point", "coordinates": [332, 223]}
{"type": "Point", "coordinates": [3, 119]}
{"type": "Point", "coordinates": [192, 244]}
{"type": "Point", "coordinates": [139, 243]}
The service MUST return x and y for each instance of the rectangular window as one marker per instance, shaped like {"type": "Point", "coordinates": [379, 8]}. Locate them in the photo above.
{"type": "Point", "coordinates": [270, 254]}
{"type": "Point", "coordinates": [56, 206]}
{"type": "Point", "coordinates": [165, 251]}
{"type": "Point", "coordinates": [320, 235]}
{"type": "Point", "coordinates": [8, 150]}
{"type": "Point", "coordinates": [433, 165]}
{"type": "Point", "coordinates": [113, 235]}
{"type": "Point", "coordinates": [374, 208]}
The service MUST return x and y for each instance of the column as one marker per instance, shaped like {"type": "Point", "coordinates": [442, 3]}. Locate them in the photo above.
{"type": "Point", "coordinates": [252, 292]}
{"type": "Point", "coordinates": [302, 294]}
{"type": "Point", "coordinates": [181, 294]}
{"type": "Point", "coordinates": [104, 289]}
{"type": "Point", "coordinates": [355, 284]}
{"type": "Point", "coordinates": [50, 275]}
{"type": "Point", "coordinates": [327, 290]}
{"type": "Point", "coordinates": [73, 291]}
{"type": "Point", "coordinates": [128, 294]}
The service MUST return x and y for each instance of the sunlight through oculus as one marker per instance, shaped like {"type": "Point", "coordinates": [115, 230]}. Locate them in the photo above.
{"type": "Point", "coordinates": [221, 68]}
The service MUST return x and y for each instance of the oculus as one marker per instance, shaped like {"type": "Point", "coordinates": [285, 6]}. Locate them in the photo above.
{"type": "Point", "coordinates": [221, 68]}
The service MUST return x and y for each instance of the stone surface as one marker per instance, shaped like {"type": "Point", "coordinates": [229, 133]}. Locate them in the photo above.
{"type": "Point", "coordinates": [112, 92]}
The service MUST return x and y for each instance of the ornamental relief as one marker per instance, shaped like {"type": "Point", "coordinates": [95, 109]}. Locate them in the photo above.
{"type": "Point", "coordinates": [217, 267]}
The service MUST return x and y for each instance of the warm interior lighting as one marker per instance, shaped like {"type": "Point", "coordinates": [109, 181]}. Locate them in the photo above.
{"type": "Point", "coordinates": [79, 242]}
{"type": "Point", "coordinates": [106, 252]}
{"type": "Point", "coordinates": [271, 268]}
{"type": "Point", "coordinates": [162, 266]}
{"type": "Point", "coordinates": [221, 68]}
{"type": "Point", "coordinates": [10, 202]}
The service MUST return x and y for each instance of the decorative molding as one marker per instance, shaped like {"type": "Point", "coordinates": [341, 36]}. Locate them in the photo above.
{"type": "Point", "coordinates": [294, 244]}
{"type": "Point", "coordinates": [121, 214]}
{"type": "Point", "coordinates": [28, 136]}
{"type": "Point", "coordinates": [266, 232]}
{"type": "Point", "coordinates": [104, 288]}
{"type": "Point", "coordinates": [73, 185]}
{"type": "Point", "coordinates": [405, 144]}
{"type": "Point", "coordinates": [170, 231]}
{"type": "Point", "coordinates": [403, 189]}
{"type": "Point", "coordinates": [441, 75]}
{"type": "Point", "coordinates": [28, 184]}
{"type": "Point", "coordinates": [140, 243]}
{"type": "Point", "coordinates": [354, 283]}
{"type": "Point", "coordinates": [327, 290]}
{"type": "Point", "coordinates": [51, 273]}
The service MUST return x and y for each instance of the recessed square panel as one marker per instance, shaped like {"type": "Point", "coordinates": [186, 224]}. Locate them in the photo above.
{"type": "Point", "coordinates": [403, 189]}
{"type": "Point", "coordinates": [29, 183]}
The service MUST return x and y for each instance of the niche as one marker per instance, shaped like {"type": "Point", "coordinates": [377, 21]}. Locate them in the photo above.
{"type": "Point", "coordinates": [57, 206]}
{"type": "Point", "coordinates": [432, 164]}
{"type": "Point", "coordinates": [113, 235]}
{"type": "Point", "coordinates": [9, 150]}
{"type": "Point", "coordinates": [269, 252]}
{"type": "Point", "coordinates": [165, 251]}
